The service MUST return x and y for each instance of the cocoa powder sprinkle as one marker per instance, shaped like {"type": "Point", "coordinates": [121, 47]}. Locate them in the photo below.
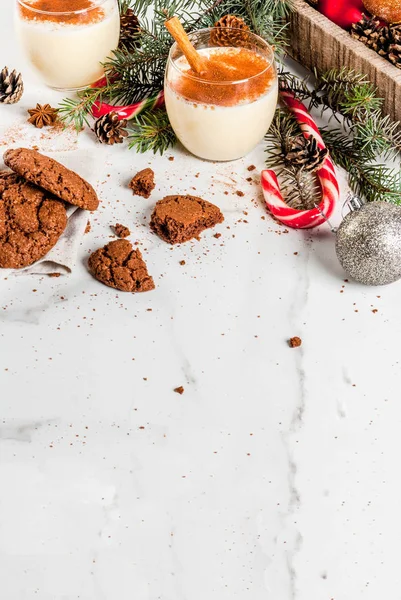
{"type": "Point", "coordinates": [246, 66]}
{"type": "Point", "coordinates": [74, 12]}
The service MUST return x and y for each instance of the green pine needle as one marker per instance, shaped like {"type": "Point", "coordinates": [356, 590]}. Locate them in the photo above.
{"type": "Point", "coordinates": [152, 132]}
{"type": "Point", "coordinates": [366, 176]}
{"type": "Point", "coordinates": [78, 111]}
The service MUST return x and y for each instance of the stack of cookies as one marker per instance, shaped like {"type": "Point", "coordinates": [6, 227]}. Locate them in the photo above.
{"type": "Point", "coordinates": [33, 199]}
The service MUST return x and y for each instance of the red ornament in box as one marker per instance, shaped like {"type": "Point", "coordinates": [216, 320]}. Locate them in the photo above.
{"type": "Point", "coordinates": [342, 12]}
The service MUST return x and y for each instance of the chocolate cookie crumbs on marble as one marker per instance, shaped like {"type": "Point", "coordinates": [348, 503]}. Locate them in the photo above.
{"type": "Point", "coordinates": [182, 262]}
{"type": "Point", "coordinates": [251, 168]}
{"type": "Point", "coordinates": [239, 193]}
{"type": "Point", "coordinates": [31, 222]}
{"type": "Point", "coordinates": [121, 230]}
{"type": "Point", "coordinates": [295, 342]}
{"type": "Point", "coordinates": [217, 235]}
{"type": "Point", "coordinates": [52, 176]}
{"type": "Point", "coordinates": [179, 390]}
{"type": "Point", "coordinates": [177, 219]}
{"type": "Point", "coordinates": [143, 183]}
{"type": "Point", "coordinates": [121, 267]}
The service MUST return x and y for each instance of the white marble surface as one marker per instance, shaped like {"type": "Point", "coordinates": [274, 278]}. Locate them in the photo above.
{"type": "Point", "coordinates": [275, 476]}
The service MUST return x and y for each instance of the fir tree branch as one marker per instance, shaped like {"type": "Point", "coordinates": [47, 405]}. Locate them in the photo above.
{"type": "Point", "coordinates": [367, 178]}
{"type": "Point", "coordinates": [152, 131]}
{"type": "Point", "coordinates": [77, 112]}
{"type": "Point", "coordinates": [299, 186]}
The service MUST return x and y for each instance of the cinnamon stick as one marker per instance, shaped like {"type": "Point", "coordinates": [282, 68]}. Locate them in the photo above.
{"type": "Point", "coordinates": [195, 60]}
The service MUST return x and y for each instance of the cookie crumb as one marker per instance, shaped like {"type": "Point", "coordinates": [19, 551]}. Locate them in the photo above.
{"type": "Point", "coordinates": [294, 342]}
{"type": "Point", "coordinates": [88, 227]}
{"type": "Point", "coordinates": [179, 390]}
{"type": "Point", "coordinates": [182, 262]}
{"type": "Point", "coordinates": [143, 183]}
{"type": "Point", "coordinates": [251, 168]}
{"type": "Point", "coordinates": [171, 158]}
{"type": "Point", "coordinates": [217, 235]}
{"type": "Point", "coordinates": [53, 274]}
{"type": "Point", "coordinates": [239, 193]}
{"type": "Point", "coordinates": [121, 230]}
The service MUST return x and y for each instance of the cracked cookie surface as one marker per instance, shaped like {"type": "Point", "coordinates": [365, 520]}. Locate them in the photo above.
{"type": "Point", "coordinates": [52, 176]}
{"type": "Point", "coordinates": [31, 222]}
{"type": "Point", "coordinates": [177, 219]}
{"type": "Point", "coordinates": [121, 267]}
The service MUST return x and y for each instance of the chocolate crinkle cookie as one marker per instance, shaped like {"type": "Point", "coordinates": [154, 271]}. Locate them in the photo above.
{"type": "Point", "coordinates": [177, 219]}
{"type": "Point", "coordinates": [52, 176]}
{"type": "Point", "coordinates": [119, 266]}
{"type": "Point", "coordinates": [31, 222]}
{"type": "Point", "coordinates": [143, 183]}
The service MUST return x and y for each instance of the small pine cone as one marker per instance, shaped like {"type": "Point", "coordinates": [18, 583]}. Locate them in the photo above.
{"type": "Point", "coordinates": [305, 153]}
{"type": "Point", "coordinates": [129, 30]}
{"type": "Point", "coordinates": [110, 129]}
{"type": "Point", "coordinates": [11, 87]}
{"type": "Point", "coordinates": [384, 41]}
{"type": "Point", "coordinates": [230, 31]}
{"type": "Point", "coordinates": [394, 55]}
{"type": "Point", "coordinates": [366, 30]}
{"type": "Point", "coordinates": [395, 34]}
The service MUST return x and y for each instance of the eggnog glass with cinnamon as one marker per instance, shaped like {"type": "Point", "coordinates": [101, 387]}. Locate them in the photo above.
{"type": "Point", "coordinates": [67, 40]}
{"type": "Point", "coordinates": [224, 112]}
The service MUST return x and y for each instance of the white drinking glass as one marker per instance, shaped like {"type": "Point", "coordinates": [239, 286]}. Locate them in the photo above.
{"type": "Point", "coordinates": [67, 47]}
{"type": "Point", "coordinates": [221, 120]}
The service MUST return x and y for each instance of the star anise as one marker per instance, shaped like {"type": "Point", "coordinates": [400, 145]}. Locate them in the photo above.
{"type": "Point", "coordinates": [42, 116]}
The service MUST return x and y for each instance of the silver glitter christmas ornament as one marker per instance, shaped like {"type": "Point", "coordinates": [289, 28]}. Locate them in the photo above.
{"type": "Point", "coordinates": [368, 243]}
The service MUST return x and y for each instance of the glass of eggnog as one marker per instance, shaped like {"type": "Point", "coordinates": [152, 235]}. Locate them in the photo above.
{"type": "Point", "coordinates": [224, 112]}
{"type": "Point", "coordinates": [67, 40]}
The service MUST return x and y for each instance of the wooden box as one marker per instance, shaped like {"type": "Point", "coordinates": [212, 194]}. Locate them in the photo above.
{"type": "Point", "coordinates": [317, 42]}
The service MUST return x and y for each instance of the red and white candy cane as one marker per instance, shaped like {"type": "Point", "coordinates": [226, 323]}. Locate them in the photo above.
{"type": "Point", "coordinates": [128, 112]}
{"type": "Point", "coordinates": [99, 109]}
{"type": "Point", "coordinates": [330, 191]}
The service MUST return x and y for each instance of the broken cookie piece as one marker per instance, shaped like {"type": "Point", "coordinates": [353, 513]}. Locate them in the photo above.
{"type": "Point", "coordinates": [177, 219]}
{"type": "Point", "coordinates": [119, 266]}
{"type": "Point", "coordinates": [121, 230]}
{"type": "Point", "coordinates": [143, 183]}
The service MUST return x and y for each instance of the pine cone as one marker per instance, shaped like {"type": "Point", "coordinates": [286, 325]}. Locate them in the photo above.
{"type": "Point", "coordinates": [394, 55]}
{"type": "Point", "coordinates": [367, 30]}
{"type": "Point", "coordinates": [129, 30]}
{"type": "Point", "coordinates": [394, 51]}
{"type": "Point", "coordinates": [110, 129]}
{"type": "Point", "coordinates": [11, 87]}
{"type": "Point", "coordinates": [305, 153]}
{"type": "Point", "coordinates": [230, 31]}
{"type": "Point", "coordinates": [395, 32]}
